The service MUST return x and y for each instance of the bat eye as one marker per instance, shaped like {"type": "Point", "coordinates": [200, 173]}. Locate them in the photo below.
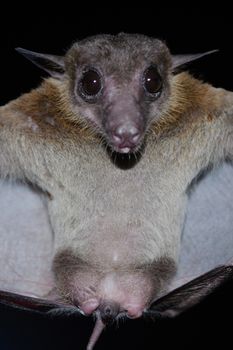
{"type": "Point", "coordinates": [152, 80]}
{"type": "Point", "coordinates": [90, 84]}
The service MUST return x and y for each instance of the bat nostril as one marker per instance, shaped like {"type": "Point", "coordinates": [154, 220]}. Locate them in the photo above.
{"type": "Point", "coordinates": [117, 138]}
{"type": "Point", "coordinates": [136, 137]}
{"type": "Point", "coordinates": [126, 135]}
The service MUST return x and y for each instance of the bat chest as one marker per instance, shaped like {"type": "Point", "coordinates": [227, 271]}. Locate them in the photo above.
{"type": "Point", "coordinates": [97, 201]}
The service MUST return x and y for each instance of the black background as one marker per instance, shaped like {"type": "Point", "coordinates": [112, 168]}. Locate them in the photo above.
{"type": "Point", "coordinates": [188, 29]}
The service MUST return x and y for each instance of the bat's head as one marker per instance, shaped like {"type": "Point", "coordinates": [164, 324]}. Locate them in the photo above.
{"type": "Point", "coordinates": [120, 84]}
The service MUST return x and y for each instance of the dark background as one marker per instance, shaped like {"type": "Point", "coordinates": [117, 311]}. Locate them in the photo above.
{"type": "Point", "coordinates": [186, 29]}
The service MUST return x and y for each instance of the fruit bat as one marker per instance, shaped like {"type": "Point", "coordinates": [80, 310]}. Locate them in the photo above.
{"type": "Point", "coordinates": [116, 184]}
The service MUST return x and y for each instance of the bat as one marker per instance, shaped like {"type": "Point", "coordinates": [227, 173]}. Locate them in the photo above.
{"type": "Point", "coordinates": [116, 184]}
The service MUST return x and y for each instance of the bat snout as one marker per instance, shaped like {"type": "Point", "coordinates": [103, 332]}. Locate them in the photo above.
{"type": "Point", "coordinates": [126, 138]}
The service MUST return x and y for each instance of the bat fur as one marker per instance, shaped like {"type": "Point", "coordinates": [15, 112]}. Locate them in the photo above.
{"type": "Point", "coordinates": [117, 218]}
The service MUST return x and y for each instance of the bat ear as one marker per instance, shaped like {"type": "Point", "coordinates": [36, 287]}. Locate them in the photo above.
{"type": "Point", "coordinates": [179, 61]}
{"type": "Point", "coordinates": [52, 64]}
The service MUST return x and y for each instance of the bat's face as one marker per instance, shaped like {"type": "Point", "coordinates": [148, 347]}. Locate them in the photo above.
{"type": "Point", "coordinates": [120, 84]}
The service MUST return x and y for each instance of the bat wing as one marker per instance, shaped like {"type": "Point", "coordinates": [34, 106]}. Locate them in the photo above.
{"type": "Point", "coordinates": [23, 302]}
{"type": "Point", "coordinates": [191, 293]}
{"type": "Point", "coordinates": [206, 247]}
{"type": "Point", "coordinates": [207, 240]}
{"type": "Point", "coordinates": [26, 246]}
{"type": "Point", "coordinates": [26, 241]}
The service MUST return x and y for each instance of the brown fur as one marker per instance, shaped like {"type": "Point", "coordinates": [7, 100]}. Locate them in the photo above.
{"type": "Point", "coordinates": [48, 100]}
{"type": "Point", "coordinates": [66, 264]}
{"type": "Point", "coordinates": [190, 99]}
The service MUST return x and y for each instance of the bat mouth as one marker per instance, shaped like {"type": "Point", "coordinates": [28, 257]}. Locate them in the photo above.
{"type": "Point", "coordinates": [125, 149]}
{"type": "Point", "coordinates": [126, 146]}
